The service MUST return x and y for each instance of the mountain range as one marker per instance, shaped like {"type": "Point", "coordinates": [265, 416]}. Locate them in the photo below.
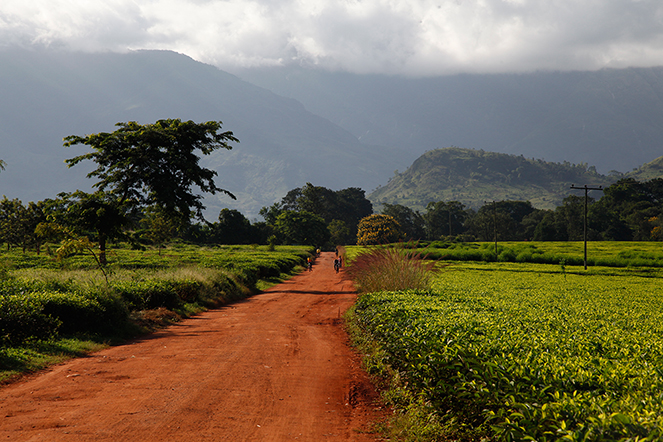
{"type": "Point", "coordinates": [298, 125]}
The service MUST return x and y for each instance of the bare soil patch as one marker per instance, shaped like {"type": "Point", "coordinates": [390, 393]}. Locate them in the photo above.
{"type": "Point", "coordinates": [275, 367]}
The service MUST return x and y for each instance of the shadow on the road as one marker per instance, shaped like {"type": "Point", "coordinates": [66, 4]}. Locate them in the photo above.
{"type": "Point", "coordinates": [314, 292]}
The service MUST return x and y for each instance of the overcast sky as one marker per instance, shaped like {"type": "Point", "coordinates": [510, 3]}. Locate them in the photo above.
{"type": "Point", "coordinates": [408, 37]}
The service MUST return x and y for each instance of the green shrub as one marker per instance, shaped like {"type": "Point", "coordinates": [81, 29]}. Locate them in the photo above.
{"type": "Point", "coordinates": [75, 312]}
{"type": "Point", "coordinates": [41, 299]}
{"type": "Point", "coordinates": [148, 294]}
{"type": "Point", "coordinates": [524, 352]}
{"type": "Point", "coordinates": [507, 255]}
{"type": "Point", "coordinates": [22, 318]}
{"type": "Point", "coordinates": [79, 313]}
{"type": "Point", "coordinates": [188, 290]}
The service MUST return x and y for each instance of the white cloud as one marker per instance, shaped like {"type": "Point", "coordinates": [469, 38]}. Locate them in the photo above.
{"type": "Point", "coordinates": [415, 37]}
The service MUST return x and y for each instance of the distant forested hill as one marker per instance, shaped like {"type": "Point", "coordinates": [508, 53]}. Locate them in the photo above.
{"type": "Point", "coordinates": [475, 177]}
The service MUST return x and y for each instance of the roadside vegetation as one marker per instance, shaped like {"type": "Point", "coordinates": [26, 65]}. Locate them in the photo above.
{"type": "Point", "coordinates": [51, 309]}
{"type": "Point", "coordinates": [519, 350]}
{"type": "Point", "coordinates": [391, 268]}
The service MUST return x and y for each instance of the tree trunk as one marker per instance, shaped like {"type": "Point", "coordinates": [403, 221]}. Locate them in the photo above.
{"type": "Point", "coordinates": [102, 249]}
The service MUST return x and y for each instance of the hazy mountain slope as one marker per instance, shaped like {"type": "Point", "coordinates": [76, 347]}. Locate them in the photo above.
{"type": "Point", "coordinates": [475, 177]}
{"type": "Point", "coordinates": [609, 118]}
{"type": "Point", "coordinates": [45, 96]}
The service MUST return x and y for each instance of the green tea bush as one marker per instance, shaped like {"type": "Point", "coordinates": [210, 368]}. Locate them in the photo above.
{"type": "Point", "coordinates": [85, 313]}
{"type": "Point", "coordinates": [75, 312]}
{"type": "Point", "coordinates": [22, 318]}
{"type": "Point", "coordinates": [148, 294]}
{"type": "Point", "coordinates": [606, 253]}
{"type": "Point", "coordinates": [42, 315]}
{"type": "Point", "coordinates": [227, 288]}
{"type": "Point", "coordinates": [508, 255]}
{"type": "Point", "coordinates": [188, 290]}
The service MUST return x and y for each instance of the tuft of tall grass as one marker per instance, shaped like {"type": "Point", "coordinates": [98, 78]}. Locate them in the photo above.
{"type": "Point", "coordinates": [391, 269]}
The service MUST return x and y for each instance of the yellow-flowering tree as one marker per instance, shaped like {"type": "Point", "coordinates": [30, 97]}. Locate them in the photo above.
{"type": "Point", "coordinates": [378, 229]}
{"type": "Point", "coordinates": [657, 230]}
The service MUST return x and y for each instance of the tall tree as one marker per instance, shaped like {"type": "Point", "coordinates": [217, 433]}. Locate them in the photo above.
{"type": "Point", "coordinates": [18, 222]}
{"type": "Point", "coordinates": [411, 222]}
{"type": "Point", "coordinates": [445, 219]}
{"type": "Point", "coordinates": [347, 206]}
{"type": "Point", "coordinates": [233, 228]}
{"type": "Point", "coordinates": [159, 228]}
{"type": "Point", "coordinates": [624, 210]}
{"type": "Point", "coordinates": [352, 206]}
{"type": "Point", "coordinates": [302, 228]}
{"type": "Point", "coordinates": [572, 213]}
{"type": "Point", "coordinates": [318, 200]}
{"type": "Point", "coordinates": [156, 164]}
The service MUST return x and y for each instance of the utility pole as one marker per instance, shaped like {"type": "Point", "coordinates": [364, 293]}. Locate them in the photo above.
{"type": "Point", "coordinates": [495, 228]}
{"type": "Point", "coordinates": [586, 189]}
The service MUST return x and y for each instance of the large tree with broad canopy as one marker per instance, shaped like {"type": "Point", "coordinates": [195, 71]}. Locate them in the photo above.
{"type": "Point", "coordinates": [156, 163]}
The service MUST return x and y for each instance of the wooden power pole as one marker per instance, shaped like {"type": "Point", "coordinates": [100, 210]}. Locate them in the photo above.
{"type": "Point", "coordinates": [586, 189]}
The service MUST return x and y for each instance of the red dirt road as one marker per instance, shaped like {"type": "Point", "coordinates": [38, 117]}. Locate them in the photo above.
{"type": "Point", "coordinates": [275, 367]}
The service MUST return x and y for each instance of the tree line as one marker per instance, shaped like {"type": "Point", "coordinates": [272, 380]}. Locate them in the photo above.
{"type": "Point", "coordinates": [628, 210]}
{"type": "Point", "coordinates": [149, 186]}
{"type": "Point", "coordinates": [311, 215]}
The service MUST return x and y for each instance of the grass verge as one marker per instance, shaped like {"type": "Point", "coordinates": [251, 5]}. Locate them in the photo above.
{"type": "Point", "coordinates": [413, 419]}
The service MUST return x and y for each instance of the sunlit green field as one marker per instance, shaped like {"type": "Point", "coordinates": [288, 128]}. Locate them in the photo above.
{"type": "Point", "coordinates": [599, 253]}
{"type": "Point", "coordinates": [176, 255]}
{"type": "Point", "coordinates": [522, 351]}
{"type": "Point", "coordinates": [569, 253]}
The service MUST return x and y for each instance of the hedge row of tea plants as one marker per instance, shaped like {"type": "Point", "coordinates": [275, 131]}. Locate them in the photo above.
{"type": "Point", "coordinates": [602, 253]}
{"type": "Point", "coordinates": [525, 352]}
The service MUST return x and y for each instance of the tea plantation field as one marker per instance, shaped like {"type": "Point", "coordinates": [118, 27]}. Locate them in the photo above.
{"type": "Point", "coordinates": [599, 253]}
{"type": "Point", "coordinates": [522, 351]}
